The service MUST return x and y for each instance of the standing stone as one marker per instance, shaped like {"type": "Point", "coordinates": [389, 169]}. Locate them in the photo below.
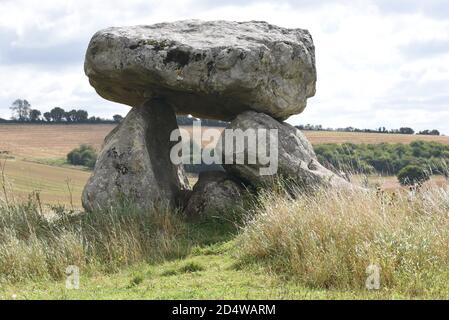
{"type": "Point", "coordinates": [214, 192]}
{"type": "Point", "coordinates": [296, 159]}
{"type": "Point", "coordinates": [210, 69]}
{"type": "Point", "coordinates": [134, 163]}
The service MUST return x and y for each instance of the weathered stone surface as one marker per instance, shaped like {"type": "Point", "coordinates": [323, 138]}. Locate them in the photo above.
{"type": "Point", "coordinates": [135, 162]}
{"type": "Point", "coordinates": [215, 69]}
{"type": "Point", "coordinates": [215, 191]}
{"type": "Point", "coordinates": [297, 161]}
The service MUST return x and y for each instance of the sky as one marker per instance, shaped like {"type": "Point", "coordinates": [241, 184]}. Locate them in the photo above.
{"type": "Point", "coordinates": [379, 63]}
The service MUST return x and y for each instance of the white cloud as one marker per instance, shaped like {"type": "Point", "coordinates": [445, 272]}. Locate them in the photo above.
{"type": "Point", "coordinates": [378, 64]}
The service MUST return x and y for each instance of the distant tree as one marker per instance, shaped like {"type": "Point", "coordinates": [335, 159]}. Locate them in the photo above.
{"type": "Point", "coordinates": [85, 155]}
{"type": "Point", "coordinates": [70, 116]}
{"type": "Point", "coordinates": [117, 118]}
{"type": "Point", "coordinates": [20, 110]}
{"type": "Point", "coordinates": [94, 119]}
{"type": "Point", "coordinates": [57, 114]}
{"type": "Point", "coordinates": [34, 115]}
{"type": "Point", "coordinates": [47, 116]}
{"type": "Point", "coordinates": [413, 174]}
{"type": "Point", "coordinates": [406, 130]}
{"type": "Point", "coordinates": [430, 132]}
{"type": "Point", "coordinates": [81, 116]}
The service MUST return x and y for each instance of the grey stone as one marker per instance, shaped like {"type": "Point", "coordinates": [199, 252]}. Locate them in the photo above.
{"type": "Point", "coordinates": [296, 160]}
{"type": "Point", "coordinates": [214, 192]}
{"type": "Point", "coordinates": [213, 69]}
{"type": "Point", "coordinates": [134, 163]}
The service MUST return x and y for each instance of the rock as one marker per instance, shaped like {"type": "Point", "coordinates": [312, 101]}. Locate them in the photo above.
{"type": "Point", "coordinates": [214, 69]}
{"type": "Point", "coordinates": [296, 160]}
{"type": "Point", "coordinates": [134, 163]}
{"type": "Point", "coordinates": [215, 191]}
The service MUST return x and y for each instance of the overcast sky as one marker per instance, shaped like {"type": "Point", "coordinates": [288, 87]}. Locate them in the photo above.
{"type": "Point", "coordinates": [379, 63]}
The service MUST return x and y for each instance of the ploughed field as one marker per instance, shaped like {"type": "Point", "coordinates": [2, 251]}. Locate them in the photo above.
{"type": "Point", "coordinates": [33, 157]}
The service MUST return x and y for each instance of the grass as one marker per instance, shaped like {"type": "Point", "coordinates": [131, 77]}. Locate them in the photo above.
{"type": "Point", "coordinates": [37, 246]}
{"type": "Point", "coordinates": [391, 183]}
{"type": "Point", "coordinates": [56, 185]}
{"type": "Point", "coordinates": [327, 241]}
{"type": "Point", "coordinates": [220, 279]}
{"type": "Point", "coordinates": [312, 247]}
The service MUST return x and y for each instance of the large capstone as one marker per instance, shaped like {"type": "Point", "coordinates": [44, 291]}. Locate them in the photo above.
{"type": "Point", "coordinates": [215, 69]}
{"type": "Point", "coordinates": [278, 151]}
{"type": "Point", "coordinates": [134, 164]}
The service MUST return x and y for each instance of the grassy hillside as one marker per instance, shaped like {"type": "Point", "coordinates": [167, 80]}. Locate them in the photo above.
{"type": "Point", "coordinates": [55, 184]}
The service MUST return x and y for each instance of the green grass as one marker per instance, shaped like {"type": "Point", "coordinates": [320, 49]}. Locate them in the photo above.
{"type": "Point", "coordinates": [306, 248]}
{"type": "Point", "coordinates": [220, 277]}
{"type": "Point", "coordinates": [330, 240]}
{"type": "Point", "coordinates": [52, 182]}
{"type": "Point", "coordinates": [57, 162]}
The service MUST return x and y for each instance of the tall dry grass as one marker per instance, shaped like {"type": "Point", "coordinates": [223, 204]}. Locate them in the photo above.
{"type": "Point", "coordinates": [328, 240]}
{"type": "Point", "coordinates": [36, 246]}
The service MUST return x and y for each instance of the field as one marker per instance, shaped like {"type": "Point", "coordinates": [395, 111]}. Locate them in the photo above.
{"type": "Point", "coordinates": [49, 141]}
{"type": "Point", "coordinates": [55, 141]}
{"type": "Point", "coordinates": [317, 137]}
{"type": "Point", "coordinates": [56, 185]}
{"type": "Point", "coordinates": [224, 257]}
{"type": "Point", "coordinates": [34, 157]}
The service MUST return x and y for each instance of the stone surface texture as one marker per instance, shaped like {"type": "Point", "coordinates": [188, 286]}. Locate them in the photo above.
{"type": "Point", "coordinates": [215, 191]}
{"type": "Point", "coordinates": [210, 69]}
{"type": "Point", "coordinates": [134, 163]}
{"type": "Point", "coordinates": [297, 161]}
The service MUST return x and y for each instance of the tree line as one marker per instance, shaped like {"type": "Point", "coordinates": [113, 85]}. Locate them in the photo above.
{"type": "Point", "coordinates": [402, 130]}
{"type": "Point", "coordinates": [23, 112]}
{"type": "Point", "coordinates": [385, 158]}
